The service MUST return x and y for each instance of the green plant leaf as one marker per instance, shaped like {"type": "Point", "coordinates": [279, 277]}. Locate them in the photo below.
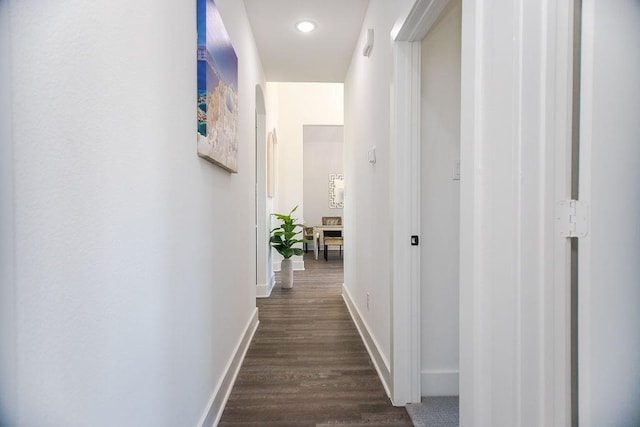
{"type": "Point", "coordinates": [283, 237]}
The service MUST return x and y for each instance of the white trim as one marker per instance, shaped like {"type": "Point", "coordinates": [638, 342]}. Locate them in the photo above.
{"type": "Point", "coordinates": [470, 135]}
{"type": "Point", "coordinates": [476, 353]}
{"type": "Point", "coordinates": [377, 357]}
{"type": "Point", "coordinates": [405, 284]}
{"type": "Point", "coordinates": [419, 21]}
{"type": "Point", "coordinates": [557, 388]}
{"type": "Point", "coordinates": [585, 304]}
{"type": "Point", "coordinates": [440, 383]}
{"type": "Point", "coordinates": [218, 400]}
{"type": "Point", "coordinates": [549, 319]}
{"type": "Point", "coordinates": [264, 290]}
{"type": "Point", "coordinates": [405, 310]}
{"type": "Point", "coordinates": [262, 215]}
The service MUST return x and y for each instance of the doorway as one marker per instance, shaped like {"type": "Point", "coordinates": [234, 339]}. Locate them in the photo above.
{"type": "Point", "coordinates": [323, 178]}
{"type": "Point", "coordinates": [263, 270]}
{"type": "Point", "coordinates": [513, 302]}
{"type": "Point", "coordinates": [440, 204]}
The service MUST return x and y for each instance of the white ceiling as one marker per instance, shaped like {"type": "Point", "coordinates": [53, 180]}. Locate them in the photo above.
{"type": "Point", "coordinates": [321, 56]}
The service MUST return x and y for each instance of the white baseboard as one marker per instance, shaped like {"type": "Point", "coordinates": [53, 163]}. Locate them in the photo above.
{"type": "Point", "coordinates": [264, 291]}
{"type": "Point", "coordinates": [379, 361]}
{"type": "Point", "coordinates": [440, 383]}
{"type": "Point", "coordinates": [218, 400]}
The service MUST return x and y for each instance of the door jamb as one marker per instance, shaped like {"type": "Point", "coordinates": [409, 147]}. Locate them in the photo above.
{"type": "Point", "coordinates": [405, 152]}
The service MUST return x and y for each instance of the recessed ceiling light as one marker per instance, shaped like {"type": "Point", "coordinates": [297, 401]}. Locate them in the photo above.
{"type": "Point", "coordinates": [305, 26]}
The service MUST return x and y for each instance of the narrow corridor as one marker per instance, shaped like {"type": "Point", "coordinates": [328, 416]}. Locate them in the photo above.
{"type": "Point", "coordinates": [307, 365]}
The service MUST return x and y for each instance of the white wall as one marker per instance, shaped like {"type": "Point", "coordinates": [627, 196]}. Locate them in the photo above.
{"type": "Point", "coordinates": [440, 205]}
{"type": "Point", "coordinates": [299, 104]}
{"type": "Point", "coordinates": [323, 155]}
{"type": "Point", "coordinates": [367, 211]}
{"type": "Point", "coordinates": [7, 278]}
{"type": "Point", "coordinates": [609, 276]}
{"type": "Point", "coordinates": [131, 290]}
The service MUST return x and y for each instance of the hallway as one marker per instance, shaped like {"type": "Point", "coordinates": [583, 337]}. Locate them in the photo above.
{"type": "Point", "coordinates": [307, 365]}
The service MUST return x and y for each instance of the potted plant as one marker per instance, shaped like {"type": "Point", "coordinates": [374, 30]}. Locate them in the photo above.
{"type": "Point", "coordinates": [283, 239]}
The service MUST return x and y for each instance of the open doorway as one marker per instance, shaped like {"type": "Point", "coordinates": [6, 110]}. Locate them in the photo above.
{"type": "Point", "coordinates": [440, 210]}
{"type": "Point", "coordinates": [323, 188]}
{"type": "Point", "coordinates": [427, 133]}
{"type": "Point", "coordinates": [263, 270]}
{"type": "Point", "coordinates": [292, 107]}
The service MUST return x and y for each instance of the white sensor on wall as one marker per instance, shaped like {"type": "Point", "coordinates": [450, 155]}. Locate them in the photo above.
{"type": "Point", "coordinates": [372, 155]}
{"type": "Point", "coordinates": [368, 44]}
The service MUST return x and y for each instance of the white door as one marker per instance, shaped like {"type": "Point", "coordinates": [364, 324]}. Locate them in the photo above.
{"type": "Point", "coordinates": [609, 257]}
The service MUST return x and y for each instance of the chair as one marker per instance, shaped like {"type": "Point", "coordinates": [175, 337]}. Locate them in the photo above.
{"type": "Point", "coordinates": [331, 220]}
{"type": "Point", "coordinates": [308, 236]}
{"type": "Point", "coordinates": [332, 237]}
{"type": "Point", "coordinates": [332, 241]}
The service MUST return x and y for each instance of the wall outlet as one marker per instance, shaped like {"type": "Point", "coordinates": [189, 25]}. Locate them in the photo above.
{"type": "Point", "coordinates": [368, 297]}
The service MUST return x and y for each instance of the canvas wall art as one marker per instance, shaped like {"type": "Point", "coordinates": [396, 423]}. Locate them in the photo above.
{"type": "Point", "coordinates": [217, 89]}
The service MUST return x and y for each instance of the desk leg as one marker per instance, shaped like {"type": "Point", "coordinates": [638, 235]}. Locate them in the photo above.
{"type": "Point", "coordinates": [315, 247]}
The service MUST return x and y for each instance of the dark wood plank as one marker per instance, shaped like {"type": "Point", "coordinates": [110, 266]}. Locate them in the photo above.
{"type": "Point", "coordinates": [307, 365]}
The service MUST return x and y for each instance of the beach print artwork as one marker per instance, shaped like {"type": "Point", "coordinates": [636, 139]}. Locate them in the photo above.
{"type": "Point", "coordinates": [217, 90]}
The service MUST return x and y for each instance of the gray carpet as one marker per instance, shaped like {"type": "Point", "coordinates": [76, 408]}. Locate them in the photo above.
{"type": "Point", "coordinates": [435, 412]}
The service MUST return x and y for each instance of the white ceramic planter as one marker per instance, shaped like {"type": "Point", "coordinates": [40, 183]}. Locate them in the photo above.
{"type": "Point", "coordinates": [286, 273]}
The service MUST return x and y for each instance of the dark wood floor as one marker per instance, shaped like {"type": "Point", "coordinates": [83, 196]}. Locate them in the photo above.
{"type": "Point", "coordinates": [306, 365]}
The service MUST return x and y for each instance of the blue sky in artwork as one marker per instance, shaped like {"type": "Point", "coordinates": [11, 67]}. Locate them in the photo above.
{"type": "Point", "coordinates": [214, 36]}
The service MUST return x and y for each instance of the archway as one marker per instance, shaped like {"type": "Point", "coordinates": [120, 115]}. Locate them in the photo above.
{"type": "Point", "coordinates": [261, 211]}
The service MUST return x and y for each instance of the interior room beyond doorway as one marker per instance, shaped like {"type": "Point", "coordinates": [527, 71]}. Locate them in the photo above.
{"type": "Point", "coordinates": [323, 180]}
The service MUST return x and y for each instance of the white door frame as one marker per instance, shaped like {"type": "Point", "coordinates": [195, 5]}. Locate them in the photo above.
{"type": "Point", "coordinates": [263, 267]}
{"type": "Point", "coordinates": [555, 92]}
{"type": "Point", "coordinates": [405, 290]}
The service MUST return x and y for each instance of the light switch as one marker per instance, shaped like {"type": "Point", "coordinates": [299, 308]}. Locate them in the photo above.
{"type": "Point", "coordinates": [372, 155]}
